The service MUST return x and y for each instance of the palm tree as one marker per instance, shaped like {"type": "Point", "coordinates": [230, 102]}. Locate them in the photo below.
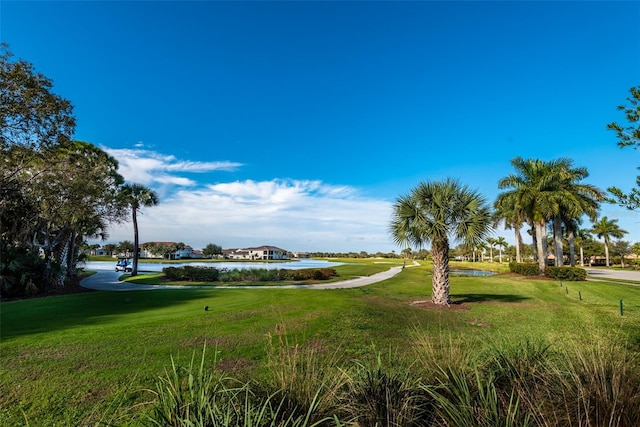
{"type": "Point", "coordinates": [513, 216]}
{"type": "Point", "coordinates": [491, 242]}
{"type": "Point", "coordinates": [432, 213]}
{"type": "Point", "coordinates": [542, 191]}
{"type": "Point", "coordinates": [501, 243]}
{"type": "Point", "coordinates": [136, 196]}
{"type": "Point", "coordinates": [574, 199]}
{"type": "Point", "coordinates": [605, 229]}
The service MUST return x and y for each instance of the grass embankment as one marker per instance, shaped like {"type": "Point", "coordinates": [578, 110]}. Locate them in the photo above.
{"type": "Point", "coordinates": [80, 359]}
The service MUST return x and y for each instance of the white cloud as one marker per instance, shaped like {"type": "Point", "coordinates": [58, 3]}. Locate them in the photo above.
{"type": "Point", "coordinates": [294, 215]}
{"type": "Point", "coordinates": [149, 167]}
{"type": "Point", "coordinates": [297, 215]}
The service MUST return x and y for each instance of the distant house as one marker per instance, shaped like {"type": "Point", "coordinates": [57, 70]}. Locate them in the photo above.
{"type": "Point", "coordinates": [184, 253]}
{"type": "Point", "coordinates": [261, 253]}
{"type": "Point", "coordinates": [300, 254]}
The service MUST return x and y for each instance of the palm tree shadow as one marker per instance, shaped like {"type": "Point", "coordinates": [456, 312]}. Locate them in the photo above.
{"type": "Point", "coordinates": [470, 298]}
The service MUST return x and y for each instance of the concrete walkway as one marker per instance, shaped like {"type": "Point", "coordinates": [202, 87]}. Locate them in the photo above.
{"type": "Point", "coordinates": [612, 275]}
{"type": "Point", "coordinates": [108, 281]}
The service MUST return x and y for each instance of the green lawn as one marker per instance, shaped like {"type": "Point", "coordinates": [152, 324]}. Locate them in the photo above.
{"type": "Point", "coordinates": [80, 359]}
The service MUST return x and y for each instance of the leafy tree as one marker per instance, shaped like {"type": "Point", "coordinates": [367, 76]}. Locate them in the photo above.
{"type": "Point", "coordinates": [433, 212]}
{"type": "Point", "coordinates": [628, 136]}
{"type": "Point", "coordinates": [31, 115]}
{"type": "Point", "coordinates": [605, 229]}
{"type": "Point", "coordinates": [109, 248]}
{"type": "Point", "coordinates": [621, 248]}
{"type": "Point", "coordinates": [125, 247]}
{"type": "Point", "coordinates": [136, 196]}
{"type": "Point", "coordinates": [211, 250]}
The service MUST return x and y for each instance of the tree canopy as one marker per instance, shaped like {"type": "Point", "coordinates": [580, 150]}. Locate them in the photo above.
{"type": "Point", "coordinates": [628, 135]}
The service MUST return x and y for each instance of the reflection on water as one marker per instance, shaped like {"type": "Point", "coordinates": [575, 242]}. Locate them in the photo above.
{"type": "Point", "coordinates": [157, 267]}
{"type": "Point", "coordinates": [471, 273]}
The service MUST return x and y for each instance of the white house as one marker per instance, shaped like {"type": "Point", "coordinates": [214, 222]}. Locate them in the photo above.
{"type": "Point", "coordinates": [257, 253]}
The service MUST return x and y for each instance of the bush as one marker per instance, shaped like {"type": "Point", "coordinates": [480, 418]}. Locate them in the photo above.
{"type": "Point", "coordinates": [21, 273]}
{"type": "Point", "coordinates": [566, 273]}
{"type": "Point", "coordinates": [211, 274]}
{"type": "Point", "coordinates": [307, 274]}
{"type": "Point", "coordinates": [192, 274]}
{"type": "Point", "coordinates": [524, 268]}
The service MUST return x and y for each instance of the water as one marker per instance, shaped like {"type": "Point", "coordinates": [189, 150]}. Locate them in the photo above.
{"type": "Point", "coordinates": [157, 267]}
{"type": "Point", "coordinates": [471, 273]}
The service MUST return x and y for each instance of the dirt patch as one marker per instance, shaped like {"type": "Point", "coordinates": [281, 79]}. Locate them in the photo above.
{"type": "Point", "coordinates": [235, 366]}
{"type": "Point", "coordinates": [429, 305]}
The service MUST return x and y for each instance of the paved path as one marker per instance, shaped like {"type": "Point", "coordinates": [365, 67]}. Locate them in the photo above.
{"type": "Point", "coordinates": [613, 275]}
{"type": "Point", "coordinates": [108, 281]}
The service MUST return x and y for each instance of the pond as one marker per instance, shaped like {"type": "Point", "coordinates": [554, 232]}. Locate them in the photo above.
{"type": "Point", "coordinates": [471, 273]}
{"type": "Point", "coordinates": [157, 267]}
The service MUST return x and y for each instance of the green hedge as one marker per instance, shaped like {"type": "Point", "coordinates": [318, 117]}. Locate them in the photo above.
{"type": "Point", "coordinates": [566, 273]}
{"type": "Point", "coordinates": [524, 268]}
{"type": "Point", "coordinates": [212, 274]}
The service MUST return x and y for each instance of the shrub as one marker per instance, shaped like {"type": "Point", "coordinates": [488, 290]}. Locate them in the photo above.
{"type": "Point", "coordinates": [566, 273]}
{"type": "Point", "coordinates": [192, 274]}
{"type": "Point", "coordinates": [21, 273]}
{"type": "Point", "coordinates": [524, 268]}
{"type": "Point", "coordinates": [386, 394]}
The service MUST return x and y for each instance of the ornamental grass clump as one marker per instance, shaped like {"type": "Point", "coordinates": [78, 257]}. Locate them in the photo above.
{"type": "Point", "coordinates": [386, 394]}
{"type": "Point", "coordinates": [306, 379]}
{"type": "Point", "coordinates": [598, 385]}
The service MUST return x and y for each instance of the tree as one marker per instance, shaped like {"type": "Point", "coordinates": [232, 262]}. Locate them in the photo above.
{"type": "Point", "coordinates": [628, 136]}
{"type": "Point", "coordinates": [574, 200]}
{"type": "Point", "coordinates": [491, 243]}
{"type": "Point", "coordinates": [621, 248]}
{"type": "Point", "coordinates": [501, 243]}
{"type": "Point", "coordinates": [136, 196]}
{"type": "Point", "coordinates": [507, 210]}
{"type": "Point", "coordinates": [542, 191]}
{"type": "Point", "coordinates": [31, 115]}
{"type": "Point", "coordinates": [605, 229]}
{"type": "Point", "coordinates": [211, 250]}
{"type": "Point", "coordinates": [433, 212]}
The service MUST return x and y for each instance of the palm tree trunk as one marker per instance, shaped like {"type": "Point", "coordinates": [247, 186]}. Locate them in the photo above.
{"type": "Point", "coordinates": [581, 257]}
{"type": "Point", "coordinates": [572, 249]}
{"type": "Point", "coordinates": [542, 261]}
{"type": "Point", "coordinates": [606, 252]}
{"type": "Point", "coordinates": [134, 267]}
{"type": "Point", "coordinates": [440, 278]}
{"type": "Point", "coordinates": [557, 240]}
{"type": "Point", "coordinates": [518, 244]}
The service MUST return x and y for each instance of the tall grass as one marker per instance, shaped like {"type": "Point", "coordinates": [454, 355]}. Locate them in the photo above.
{"type": "Point", "coordinates": [386, 393]}
{"type": "Point", "coordinates": [193, 396]}
{"type": "Point", "coordinates": [599, 385]}
{"type": "Point", "coordinates": [307, 380]}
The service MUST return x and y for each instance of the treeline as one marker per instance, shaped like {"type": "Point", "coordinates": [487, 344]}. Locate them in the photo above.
{"type": "Point", "coordinates": [54, 191]}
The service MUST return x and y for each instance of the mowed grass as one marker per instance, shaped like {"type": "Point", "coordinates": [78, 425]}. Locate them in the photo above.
{"type": "Point", "coordinates": [83, 359]}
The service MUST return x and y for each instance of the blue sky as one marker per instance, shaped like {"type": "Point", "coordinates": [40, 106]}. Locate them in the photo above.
{"type": "Point", "coordinates": [297, 124]}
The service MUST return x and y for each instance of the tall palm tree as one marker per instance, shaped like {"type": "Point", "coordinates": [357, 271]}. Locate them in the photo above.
{"type": "Point", "coordinates": [605, 229]}
{"type": "Point", "coordinates": [501, 243]}
{"type": "Point", "coordinates": [507, 210]}
{"type": "Point", "coordinates": [136, 196]}
{"type": "Point", "coordinates": [574, 199]}
{"type": "Point", "coordinates": [491, 243]}
{"type": "Point", "coordinates": [545, 191]}
{"type": "Point", "coordinates": [433, 212]}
